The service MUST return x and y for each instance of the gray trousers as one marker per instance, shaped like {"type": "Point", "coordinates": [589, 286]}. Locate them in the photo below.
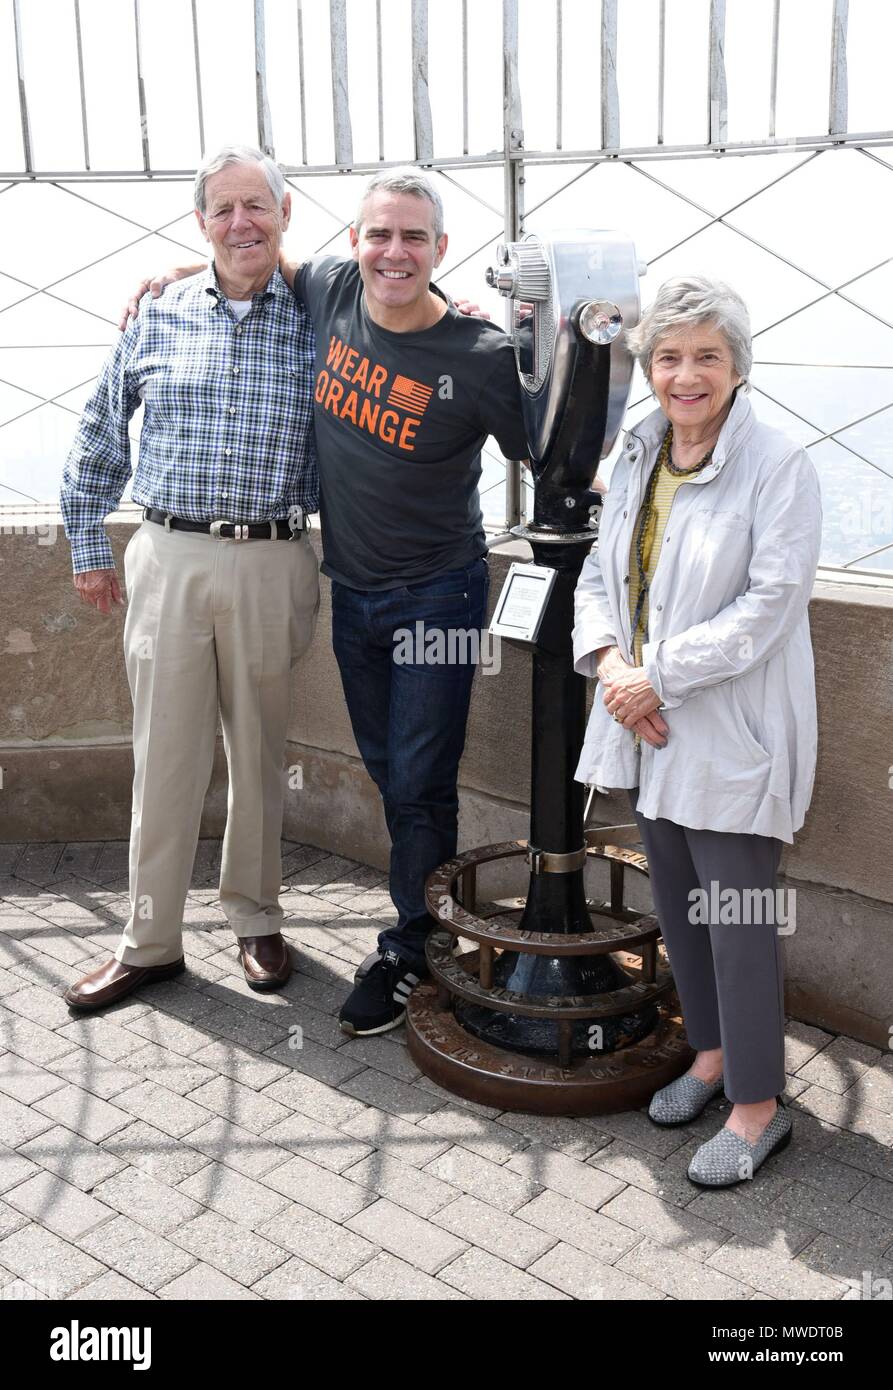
{"type": "Point", "coordinates": [729, 975]}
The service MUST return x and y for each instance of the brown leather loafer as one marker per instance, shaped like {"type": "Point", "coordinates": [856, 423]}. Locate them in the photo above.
{"type": "Point", "coordinates": [265, 960]}
{"type": "Point", "coordinates": [115, 980]}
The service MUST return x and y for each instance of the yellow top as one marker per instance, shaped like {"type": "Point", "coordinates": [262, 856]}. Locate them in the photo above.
{"type": "Point", "coordinates": [665, 489]}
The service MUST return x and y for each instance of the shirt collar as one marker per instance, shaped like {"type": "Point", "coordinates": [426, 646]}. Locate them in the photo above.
{"type": "Point", "coordinates": [207, 281]}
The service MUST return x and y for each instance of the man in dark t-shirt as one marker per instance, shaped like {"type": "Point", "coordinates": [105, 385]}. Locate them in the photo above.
{"type": "Point", "coordinates": [400, 417]}
{"type": "Point", "coordinates": [406, 391]}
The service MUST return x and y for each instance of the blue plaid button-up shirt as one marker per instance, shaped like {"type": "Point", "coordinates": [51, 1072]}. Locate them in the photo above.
{"type": "Point", "coordinates": [228, 428]}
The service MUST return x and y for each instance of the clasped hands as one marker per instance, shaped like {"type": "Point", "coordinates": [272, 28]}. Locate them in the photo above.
{"type": "Point", "coordinates": [630, 697]}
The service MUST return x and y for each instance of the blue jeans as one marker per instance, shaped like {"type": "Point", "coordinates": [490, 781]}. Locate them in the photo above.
{"type": "Point", "coordinates": [408, 716]}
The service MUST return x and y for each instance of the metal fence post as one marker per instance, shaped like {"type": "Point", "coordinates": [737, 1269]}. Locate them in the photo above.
{"type": "Point", "coordinates": [513, 205]}
{"type": "Point", "coordinates": [838, 100]}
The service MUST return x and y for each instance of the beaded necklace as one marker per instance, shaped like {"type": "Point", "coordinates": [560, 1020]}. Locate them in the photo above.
{"type": "Point", "coordinates": [647, 514]}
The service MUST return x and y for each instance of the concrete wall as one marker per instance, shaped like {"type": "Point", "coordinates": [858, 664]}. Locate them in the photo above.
{"type": "Point", "coordinates": [65, 755]}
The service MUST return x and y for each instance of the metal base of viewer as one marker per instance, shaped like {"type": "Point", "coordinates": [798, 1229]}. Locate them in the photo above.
{"type": "Point", "coordinates": [543, 1068]}
{"type": "Point", "coordinates": [477, 1071]}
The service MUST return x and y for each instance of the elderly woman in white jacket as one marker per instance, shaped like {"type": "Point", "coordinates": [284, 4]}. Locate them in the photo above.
{"type": "Point", "coordinates": [692, 613]}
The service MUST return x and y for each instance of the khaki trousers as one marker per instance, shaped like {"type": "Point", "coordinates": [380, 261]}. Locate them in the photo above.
{"type": "Point", "coordinates": [212, 625]}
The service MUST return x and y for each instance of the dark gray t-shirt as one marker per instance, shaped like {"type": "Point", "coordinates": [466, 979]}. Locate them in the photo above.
{"type": "Point", "coordinates": [400, 419]}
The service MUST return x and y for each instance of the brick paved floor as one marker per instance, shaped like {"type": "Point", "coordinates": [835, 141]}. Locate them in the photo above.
{"type": "Point", "coordinates": [180, 1145]}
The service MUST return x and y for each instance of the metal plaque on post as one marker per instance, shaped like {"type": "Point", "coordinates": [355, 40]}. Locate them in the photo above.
{"type": "Point", "coordinates": [522, 603]}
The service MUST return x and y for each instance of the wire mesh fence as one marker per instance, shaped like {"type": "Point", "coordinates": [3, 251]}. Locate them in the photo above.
{"type": "Point", "coordinates": [749, 139]}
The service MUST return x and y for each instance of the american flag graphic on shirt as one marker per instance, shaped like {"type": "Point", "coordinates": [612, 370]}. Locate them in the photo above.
{"type": "Point", "coordinates": [409, 395]}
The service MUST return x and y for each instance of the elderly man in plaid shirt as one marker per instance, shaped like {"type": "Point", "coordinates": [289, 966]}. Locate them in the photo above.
{"type": "Point", "coordinates": [222, 582]}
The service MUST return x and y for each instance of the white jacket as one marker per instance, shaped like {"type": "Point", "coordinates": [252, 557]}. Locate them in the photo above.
{"type": "Point", "coordinates": [729, 651]}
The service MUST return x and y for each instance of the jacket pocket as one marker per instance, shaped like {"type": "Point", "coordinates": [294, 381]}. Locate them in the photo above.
{"type": "Point", "coordinates": [747, 722]}
{"type": "Point", "coordinates": [719, 751]}
{"type": "Point", "coordinates": [724, 520]}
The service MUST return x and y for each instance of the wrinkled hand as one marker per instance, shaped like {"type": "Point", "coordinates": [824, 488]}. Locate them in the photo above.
{"type": "Point", "coordinates": [154, 284]}
{"type": "Point", "coordinates": [99, 587]}
{"type": "Point", "coordinates": [630, 695]}
{"type": "Point", "coordinates": [467, 306]}
{"type": "Point", "coordinates": [610, 664]}
{"type": "Point", "coordinates": [652, 729]}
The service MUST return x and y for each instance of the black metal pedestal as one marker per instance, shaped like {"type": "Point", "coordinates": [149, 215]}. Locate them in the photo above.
{"type": "Point", "coordinates": [556, 902]}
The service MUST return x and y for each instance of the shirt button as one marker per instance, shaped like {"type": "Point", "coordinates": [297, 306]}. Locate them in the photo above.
{"type": "Point", "coordinates": [624, 514]}
{"type": "Point", "coordinates": [235, 371]}
{"type": "Point", "coordinates": [626, 579]}
{"type": "Point", "coordinates": [227, 452]}
{"type": "Point", "coordinates": [224, 494]}
{"type": "Point", "coordinates": [232, 410]}
{"type": "Point", "coordinates": [659, 606]}
{"type": "Point", "coordinates": [238, 330]}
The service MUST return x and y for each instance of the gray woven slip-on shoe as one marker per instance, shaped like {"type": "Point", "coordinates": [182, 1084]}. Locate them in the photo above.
{"type": "Point", "coordinates": [727, 1159]}
{"type": "Point", "coordinates": [683, 1100]}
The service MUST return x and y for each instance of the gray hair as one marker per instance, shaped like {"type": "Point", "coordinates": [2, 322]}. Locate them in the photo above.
{"type": "Point", "coordinates": [688, 300]}
{"type": "Point", "coordinates": [406, 180]}
{"type": "Point", "coordinates": [238, 154]}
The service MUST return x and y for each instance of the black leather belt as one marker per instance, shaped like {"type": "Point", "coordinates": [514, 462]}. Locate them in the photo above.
{"type": "Point", "coordinates": [277, 530]}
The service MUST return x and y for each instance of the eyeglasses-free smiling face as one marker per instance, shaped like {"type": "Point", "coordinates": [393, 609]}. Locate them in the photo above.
{"type": "Point", "coordinates": [244, 226]}
{"type": "Point", "coordinates": [693, 376]}
{"type": "Point", "coordinates": [396, 251]}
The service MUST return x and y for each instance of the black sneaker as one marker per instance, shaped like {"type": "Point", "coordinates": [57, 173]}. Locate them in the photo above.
{"type": "Point", "coordinates": [366, 965]}
{"type": "Point", "coordinates": [378, 1002]}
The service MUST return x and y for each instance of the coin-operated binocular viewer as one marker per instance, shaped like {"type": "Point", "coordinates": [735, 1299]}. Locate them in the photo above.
{"type": "Point", "coordinates": [564, 1007]}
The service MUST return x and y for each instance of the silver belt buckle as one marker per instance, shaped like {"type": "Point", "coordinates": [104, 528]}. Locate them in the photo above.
{"type": "Point", "coordinates": [240, 533]}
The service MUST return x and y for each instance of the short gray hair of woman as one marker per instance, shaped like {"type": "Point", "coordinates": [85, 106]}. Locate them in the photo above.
{"type": "Point", "coordinates": [403, 181]}
{"type": "Point", "coordinates": [682, 303]}
{"type": "Point", "coordinates": [238, 154]}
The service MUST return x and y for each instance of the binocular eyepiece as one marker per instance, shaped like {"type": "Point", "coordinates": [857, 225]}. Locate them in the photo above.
{"type": "Point", "coordinates": [572, 295]}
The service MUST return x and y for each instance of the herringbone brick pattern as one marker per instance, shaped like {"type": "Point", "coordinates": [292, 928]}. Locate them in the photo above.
{"type": "Point", "coordinates": [201, 1141]}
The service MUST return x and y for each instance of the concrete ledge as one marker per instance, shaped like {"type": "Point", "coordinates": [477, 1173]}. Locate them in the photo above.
{"type": "Point", "coordinates": [82, 791]}
{"type": "Point", "coordinates": [839, 962]}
